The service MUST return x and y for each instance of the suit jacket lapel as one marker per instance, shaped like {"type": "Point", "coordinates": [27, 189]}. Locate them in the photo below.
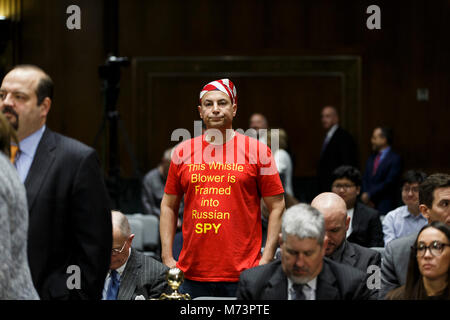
{"type": "Point", "coordinates": [42, 162]}
{"type": "Point", "coordinates": [326, 285]}
{"type": "Point", "coordinates": [349, 255]}
{"type": "Point", "coordinates": [129, 278]}
{"type": "Point", "coordinates": [277, 286]}
{"type": "Point", "coordinates": [357, 218]}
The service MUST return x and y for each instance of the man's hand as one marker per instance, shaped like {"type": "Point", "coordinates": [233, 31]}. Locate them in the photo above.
{"type": "Point", "coordinates": [170, 262]}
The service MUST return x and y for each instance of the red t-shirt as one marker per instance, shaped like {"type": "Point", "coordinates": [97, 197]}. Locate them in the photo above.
{"type": "Point", "coordinates": [223, 186]}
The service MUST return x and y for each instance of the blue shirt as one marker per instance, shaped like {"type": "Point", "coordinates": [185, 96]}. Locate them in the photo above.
{"type": "Point", "coordinates": [400, 222]}
{"type": "Point", "coordinates": [25, 156]}
{"type": "Point", "coordinates": [384, 152]}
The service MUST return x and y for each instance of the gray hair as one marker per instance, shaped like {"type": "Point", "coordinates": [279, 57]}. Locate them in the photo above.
{"type": "Point", "coordinates": [303, 221]}
{"type": "Point", "coordinates": [120, 222]}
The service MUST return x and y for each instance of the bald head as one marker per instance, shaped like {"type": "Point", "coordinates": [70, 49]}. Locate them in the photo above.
{"type": "Point", "coordinates": [329, 203]}
{"type": "Point", "coordinates": [258, 121]}
{"type": "Point", "coordinates": [337, 222]}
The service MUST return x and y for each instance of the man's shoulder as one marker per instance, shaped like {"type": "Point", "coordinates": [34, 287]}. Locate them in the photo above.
{"type": "Point", "coordinates": [368, 211]}
{"type": "Point", "coordinates": [363, 251]}
{"type": "Point", "coordinates": [396, 212]}
{"type": "Point", "coordinates": [261, 271]}
{"type": "Point", "coordinates": [150, 264]}
{"type": "Point", "coordinates": [402, 243]}
{"type": "Point", "coordinates": [342, 271]}
{"type": "Point", "coordinates": [65, 143]}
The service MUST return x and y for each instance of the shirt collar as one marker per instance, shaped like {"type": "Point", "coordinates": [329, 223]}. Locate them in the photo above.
{"type": "Point", "coordinates": [332, 130]}
{"type": "Point", "coordinates": [29, 145]}
{"type": "Point", "coordinates": [311, 283]}
{"type": "Point", "coordinates": [385, 151]}
{"type": "Point", "coordinates": [122, 267]}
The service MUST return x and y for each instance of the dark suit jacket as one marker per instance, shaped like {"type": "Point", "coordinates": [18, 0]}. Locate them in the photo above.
{"type": "Point", "coordinates": [340, 150]}
{"type": "Point", "coordinates": [359, 257]}
{"type": "Point", "coordinates": [336, 281]}
{"type": "Point", "coordinates": [394, 266]}
{"type": "Point", "coordinates": [70, 219]}
{"type": "Point", "coordinates": [367, 230]}
{"type": "Point", "coordinates": [383, 187]}
{"type": "Point", "coordinates": [144, 276]}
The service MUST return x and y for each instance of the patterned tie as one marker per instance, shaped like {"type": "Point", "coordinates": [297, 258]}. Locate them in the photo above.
{"type": "Point", "coordinates": [298, 290]}
{"type": "Point", "coordinates": [376, 163]}
{"type": "Point", "coordinates": [13, 149]}
{"type": "Point", "coordinates": [113, 287]}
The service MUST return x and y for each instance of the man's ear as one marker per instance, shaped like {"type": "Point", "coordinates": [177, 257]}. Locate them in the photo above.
{"type": "Point", "coordinates": [425, 212]}
{"type": "Point", "coordinates": [347, 222]}
{"type": "Point", "coordinates": [358, 190]}
{"type": "Point", "coordinates": [199, 108]}
{"type": "Point", "coordinates": [45, 106]}
{"type": "Point", "coordinates": [234, 110]}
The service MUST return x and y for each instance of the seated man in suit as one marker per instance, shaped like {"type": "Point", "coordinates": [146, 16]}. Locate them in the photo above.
{"type": "Point", "coordinates": [303, 273]}
{"type": "Point", "coordinates": [406, 219]}
{"type": "Point", "coordinates": [365, 225]}
{"type": "Point", "coordinates": [131, 272]}
{"type": "Point", "coordinates": [338, 148]}
{"type": "Point", "coordinates": [434, 199]}
{"type": "Point", "coordinates": [337, 222]}
{"type": "Point", "coordinates": [383, 170]}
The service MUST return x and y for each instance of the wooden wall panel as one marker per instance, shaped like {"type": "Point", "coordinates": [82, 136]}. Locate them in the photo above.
{"type": "Point", "coordinates": [409, 52]}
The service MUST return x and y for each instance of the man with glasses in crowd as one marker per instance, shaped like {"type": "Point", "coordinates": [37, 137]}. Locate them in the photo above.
{"type": "Point", "coordinates": [434, 199]}
{"type": "Point", "coordinates": [406, 219]}
{"type": "Point", "coordinates": [132, 273]}
{"type": "Point", "coordinates": [365, 225]}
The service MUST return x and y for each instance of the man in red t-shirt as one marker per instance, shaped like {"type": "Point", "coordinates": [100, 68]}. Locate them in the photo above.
{"type": "Point", "coordinates": [222, 175]}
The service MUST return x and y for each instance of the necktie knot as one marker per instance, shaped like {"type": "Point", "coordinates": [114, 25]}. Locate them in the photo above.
{"type": "Point", "coordinates": [298, 290]}
{"type": "Point", "coordinates": [13, 150]}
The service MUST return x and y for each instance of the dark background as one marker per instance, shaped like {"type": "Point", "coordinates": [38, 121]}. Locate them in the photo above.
{"type": "Point", "coordinates": [411, 51]}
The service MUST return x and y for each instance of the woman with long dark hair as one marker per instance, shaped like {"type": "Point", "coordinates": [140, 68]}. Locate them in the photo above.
{"type": "Point", "coordinates": [428, 269]}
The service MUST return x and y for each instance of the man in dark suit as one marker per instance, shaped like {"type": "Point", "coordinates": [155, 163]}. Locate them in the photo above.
{"type": "Point", "coordinates": [434, 199]}
{"type": "Point", "coordinates": [137, 275]}
{"type": "Point", "coordinates": [337, 222]}
{"type": "Point", "coordinates": [365, 225]}
{"type": "Point", "coordinates": [69, 235]}
{"type": "Point", "coordinates": [303, 273]}
{"type": "Point", "coordinates": [381, 181]}
{"type": "Point", "coordinates": [338, 148]}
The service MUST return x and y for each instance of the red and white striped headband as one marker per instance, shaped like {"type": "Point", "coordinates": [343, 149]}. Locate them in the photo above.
{"type": "Point", "coordinates": [223, 85]}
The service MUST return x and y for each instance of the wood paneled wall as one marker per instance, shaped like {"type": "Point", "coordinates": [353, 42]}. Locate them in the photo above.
{"type": "Point", "coordinates": [409, 52]}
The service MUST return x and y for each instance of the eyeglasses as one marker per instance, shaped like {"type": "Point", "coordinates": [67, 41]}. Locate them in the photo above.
{"type": "Point", "coordinates": [410, 189]}
{"type": "Point", "coordinates": [342, 186]}
{"type": "Point", "coordinates": [117, 251]}
{"type": "Point", "coordinates": [436, 248]}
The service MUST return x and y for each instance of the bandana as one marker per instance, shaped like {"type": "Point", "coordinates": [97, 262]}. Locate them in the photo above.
{"type": "Point", "coordinates": [223, 85]}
